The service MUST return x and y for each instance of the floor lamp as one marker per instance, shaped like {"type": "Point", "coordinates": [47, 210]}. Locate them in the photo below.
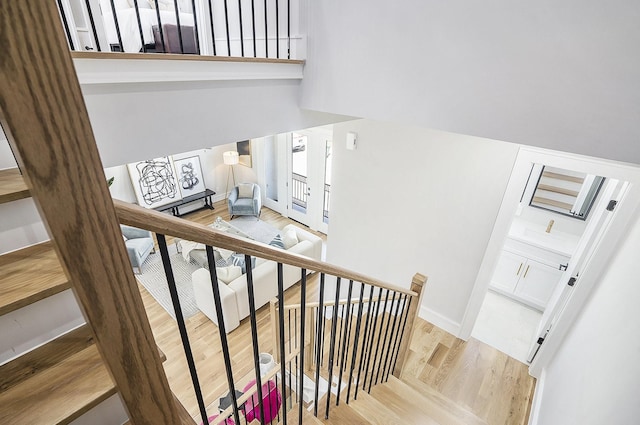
{"type": "Point", "coordinates": [230, 158]}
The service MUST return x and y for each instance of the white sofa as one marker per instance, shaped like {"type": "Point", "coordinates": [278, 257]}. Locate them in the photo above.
{"type": "Point", "coordinates": [234, 296]}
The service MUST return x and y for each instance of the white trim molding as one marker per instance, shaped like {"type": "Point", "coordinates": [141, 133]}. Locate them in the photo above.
{"type": "Point", "coordinates": [116, 70]}
{"type": "Point", "coordinates": [439, 320]}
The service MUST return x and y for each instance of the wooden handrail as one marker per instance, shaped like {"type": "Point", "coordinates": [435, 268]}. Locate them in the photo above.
{"type": "Point", "coordinates": [340, 302]}
{"type": "Point", "coordinates": [134, 215]}
{"type": "Point", "coordinates": [45, 119]}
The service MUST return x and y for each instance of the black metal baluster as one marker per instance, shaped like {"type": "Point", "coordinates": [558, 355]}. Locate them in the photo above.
{"type": "Point", "coordinates": [384, 339]}
{"type": "Point", "coordinates": [288, 29]}
{"type": "Point", "coordinates": [303, 312]}
{"type": "Point", "coordinates": [319, 347]}
{"type": "Point", "coordinates": [332, 346]}
{"type": "Point", "coordinates": [253, 26]}
{"type": "Point", "coordinates": [254, 332]}
{"type": "Point", "coordinates": [283, 368]}
{"type": "Point", "coordinates": [404, 324]}
{"type": "Point", "coordinates": [160, 29]}
{"type": "Point", "coordinates": [223, 333]}
{"type": "Point", "coordinates": [355, 343]}
{"type": "Point", "coordinates": [195, 25]}
{"type": "Point", "coordinates": [115, 21]}
{"type": "Point", "coordinates": [177, 309]}
{"type": "Point", "coordinates": [66, 24]}
{"type": "Point", "coordinates": [213, 33]}
{"type": "Point", "coordinates": [341, 314]}
{"type": "Point", "coordinates": [375, 357]}
{"type": "Point", "coordinates": [372, 338]}
{"type": "Point", "coordinates": [226, 21]}
{"type": "Point", "coordinates": [364, 340]}
{"type": "Point", "coordinates": [277, 29]}
{"type": "Point", "coordinates": [394, 332]}
{"type": "Point", "coordinates": [324, 319]}
{"type": "Point", "coordinates": [241, 32]}
{"type": "Point", "coordinates": [135, 6]}
{"type": "Point", "coordinates": [93, 24]}
{"type": "Point", "coordinates": [179, 27]}
{"type": "Point", "coordinates": [345, 347]}
{"type": "Point", "coordinates": [266, 31]}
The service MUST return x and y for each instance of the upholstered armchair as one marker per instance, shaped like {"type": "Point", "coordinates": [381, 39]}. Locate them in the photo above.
{"type": "Point", "coordinates": [245, 199]}
{"type": "Point", "coordinates": [139, 245]}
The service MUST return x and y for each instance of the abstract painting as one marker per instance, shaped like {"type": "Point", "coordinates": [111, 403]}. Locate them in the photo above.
{"type": "Point", "coordinates": [190, 179]}
{"type": "Point", "coordinates": [154, 182]}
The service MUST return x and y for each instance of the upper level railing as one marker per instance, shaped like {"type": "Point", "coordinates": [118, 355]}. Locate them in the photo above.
{"type": "Point", "coordinates": [236, 28]}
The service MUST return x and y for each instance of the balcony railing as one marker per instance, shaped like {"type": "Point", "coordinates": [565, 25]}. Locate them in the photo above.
{"type": "Point", "coordinates": [299, 190]}
{"type": "Point", "coordinates": [242, 28]}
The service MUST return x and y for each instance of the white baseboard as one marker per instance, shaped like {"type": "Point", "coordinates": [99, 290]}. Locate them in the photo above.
{"type": "Point", "coordinates": [439, 320]}
{"type": "Point", "coordinates": [537, 399]}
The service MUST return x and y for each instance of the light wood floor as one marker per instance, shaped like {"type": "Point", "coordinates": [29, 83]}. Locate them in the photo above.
{"type": "Point", "coordinates": [481, 379]}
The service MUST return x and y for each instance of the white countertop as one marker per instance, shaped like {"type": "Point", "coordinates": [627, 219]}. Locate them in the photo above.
{"type": "Point", "coordinates": [534, 234]}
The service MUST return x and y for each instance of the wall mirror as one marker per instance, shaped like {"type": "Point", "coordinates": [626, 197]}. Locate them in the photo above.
{"type": "Point", "coordinates": [563, 191]}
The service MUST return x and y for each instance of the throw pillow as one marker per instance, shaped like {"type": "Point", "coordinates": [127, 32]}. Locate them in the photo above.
{"type": "Point", "coordinates": [290, 238]}
{"type": "Point", "coordinates": [245, 190]}
{"type": "Point", "coordinates": [228, 274]}
{"type": "Point", "coordinates": [277, 242]}
{"type": "Point", "coordinates": [238, 260]}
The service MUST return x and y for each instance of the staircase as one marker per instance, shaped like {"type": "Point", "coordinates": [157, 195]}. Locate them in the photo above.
{"type": "Point", "coordinates": [60, 380]}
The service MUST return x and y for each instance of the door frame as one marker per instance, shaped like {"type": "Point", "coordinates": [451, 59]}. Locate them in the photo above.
{"type": "Point", "coordinates": [316, 149]}
{"type": "Point", "coordinates": [627, 209]}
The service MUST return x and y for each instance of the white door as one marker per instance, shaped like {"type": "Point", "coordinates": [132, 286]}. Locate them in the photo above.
{"type": "Point", "coordinates": [589, 241]}
{"type": "Point", "coordinates": [307, 183]}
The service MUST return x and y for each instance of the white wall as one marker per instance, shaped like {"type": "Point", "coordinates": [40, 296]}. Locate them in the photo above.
{"type": "Point", "coordinates": [593, 378]}
{"type": "Point", "coordinates": [139, 121]}
{"type": "Point", "coordinates": [414, 200]}
{"type": "Point", "coordinates": [556, 75]}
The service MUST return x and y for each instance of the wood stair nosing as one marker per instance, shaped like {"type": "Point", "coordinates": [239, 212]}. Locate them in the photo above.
{"type": "Point", "coordinates": [55, 383]}
{"type": "Point", "coordinates": [29, 275]}
{"type": "Point", "coordinates": [12, 186]}
{"type": "Point", "coordinates": [429, 400]}
{"type": "Point", "coordinates": [379, 413]}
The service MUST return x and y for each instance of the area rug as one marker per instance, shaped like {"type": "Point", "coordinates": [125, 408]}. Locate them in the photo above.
{"type": "Point", "coordinates": [259, 230]}
{"type": "Point", "coordinates": [154, 280]}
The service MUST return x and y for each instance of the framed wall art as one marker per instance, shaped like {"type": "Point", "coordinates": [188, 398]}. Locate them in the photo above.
{"type": "Point", "coordinates": [244, 151]}
{"type": "Point", "coordinates": [189, 175]}
{"type": "Point", "coordinates": [154, 182]}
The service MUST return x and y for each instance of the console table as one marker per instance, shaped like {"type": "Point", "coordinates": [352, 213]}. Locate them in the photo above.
{"type": "Point", "coordinates": [174, 206]}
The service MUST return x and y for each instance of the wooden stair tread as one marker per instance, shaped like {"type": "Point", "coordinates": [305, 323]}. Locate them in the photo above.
{"type": "Point", "coordinates": [341, 414]}
{"type": "Point", "coordinates": [29, 275]}
{"type": "Point", "coordinates": [59, 391]}
{"type": "Point", "coordinates": [292, 416]}
{"type": "Point", "coordinates": [378, 413]}
{"type": "Point", "coordinates": [12, 186]}
{"type": "Point", "coordinates": [415, 396]}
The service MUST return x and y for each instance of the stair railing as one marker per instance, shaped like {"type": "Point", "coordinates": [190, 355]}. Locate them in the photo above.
{"type": "Point", "coordinates": [361, 343]}
{"type": "Point", "coordinates": [366, 348]}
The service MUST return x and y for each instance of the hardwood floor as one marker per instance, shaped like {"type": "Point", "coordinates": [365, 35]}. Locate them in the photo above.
{"type": "Point", "coordinates": [471, 374]}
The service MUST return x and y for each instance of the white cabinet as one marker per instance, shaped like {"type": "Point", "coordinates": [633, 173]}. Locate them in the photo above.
{"type": "Point", "coordinates": [528, 274]}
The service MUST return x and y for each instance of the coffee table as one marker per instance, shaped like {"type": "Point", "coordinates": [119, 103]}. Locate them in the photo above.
{"type": "Point", "coordinates": [199, 253]}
